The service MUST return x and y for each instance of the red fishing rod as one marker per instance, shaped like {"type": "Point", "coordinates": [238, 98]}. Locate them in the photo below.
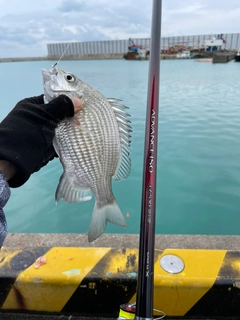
{"type": "Point", "coordinates": [143, 309]}
{"type": "Point", "coordinates": [145, 284]}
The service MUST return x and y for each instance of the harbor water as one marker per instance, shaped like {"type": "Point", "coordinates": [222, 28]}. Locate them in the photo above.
{"type": "Point", "coordinates": [198, 177]}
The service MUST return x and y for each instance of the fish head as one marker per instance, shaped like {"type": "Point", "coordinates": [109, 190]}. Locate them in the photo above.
{"type": "Point", "coordinates": [57, 81]}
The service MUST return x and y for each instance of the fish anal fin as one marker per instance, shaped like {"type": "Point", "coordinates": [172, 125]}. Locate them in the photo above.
{"type": "Point", "coordinates": [69, 193]}
{"type": "Point", "coordinates": [110, 212]}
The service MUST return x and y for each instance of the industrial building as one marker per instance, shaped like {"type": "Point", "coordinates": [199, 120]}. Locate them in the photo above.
{"type": "Point", "coordinates": [230, 41]}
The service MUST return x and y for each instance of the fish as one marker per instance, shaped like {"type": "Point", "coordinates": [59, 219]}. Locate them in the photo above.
{"type": "Point", "coordinates": [93, 147]}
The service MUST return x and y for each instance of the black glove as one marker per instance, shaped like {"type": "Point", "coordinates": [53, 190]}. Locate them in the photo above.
{"type": "Point", "coordinates": [27, 133]}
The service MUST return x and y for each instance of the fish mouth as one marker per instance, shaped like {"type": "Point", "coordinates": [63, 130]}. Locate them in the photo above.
{"type": "Point", "coordinates": [47, 74]}
{"type": "Point", "coordinates": [48, 78]}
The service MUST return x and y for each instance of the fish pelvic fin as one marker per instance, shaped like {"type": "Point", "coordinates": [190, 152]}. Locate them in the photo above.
{"type": "Point", "coordinates": [101, 215]}
{"type": "Point", "coordinates": [69, 193]}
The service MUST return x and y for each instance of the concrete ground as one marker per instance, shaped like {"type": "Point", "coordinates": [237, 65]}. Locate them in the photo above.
{"type": "Point", "coordinates": [123, 241]}
{"type": "Point", "coordinates": [113, 241]}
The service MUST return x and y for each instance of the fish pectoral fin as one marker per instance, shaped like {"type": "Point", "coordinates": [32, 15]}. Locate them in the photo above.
{"type": "Point", "coordinates": [110, 212]}
{"type": "Point", "coordinates": [69, 193]}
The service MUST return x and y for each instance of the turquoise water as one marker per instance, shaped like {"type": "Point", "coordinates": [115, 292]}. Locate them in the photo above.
{"type": "Point", "coordinates": [198, 189]}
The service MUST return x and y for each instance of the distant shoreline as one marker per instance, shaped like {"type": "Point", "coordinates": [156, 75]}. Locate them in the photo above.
{"type": "Point", "coordinates": [75, 57]}
{"type": "Point", "coordinates": [104, 57]}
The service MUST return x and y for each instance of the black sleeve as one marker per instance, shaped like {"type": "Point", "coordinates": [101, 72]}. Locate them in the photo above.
{"type": "Point", "coordinates": [26, 134]}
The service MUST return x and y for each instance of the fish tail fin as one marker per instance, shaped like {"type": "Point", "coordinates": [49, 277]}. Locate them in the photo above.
{"type": "Point", "coordinates": [110, 212]}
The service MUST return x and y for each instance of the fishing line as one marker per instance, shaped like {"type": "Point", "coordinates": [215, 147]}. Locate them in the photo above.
{"type": "Point", "coordinates": [61, 55]}
{"type": "Point", "coordinates": [162, 316]}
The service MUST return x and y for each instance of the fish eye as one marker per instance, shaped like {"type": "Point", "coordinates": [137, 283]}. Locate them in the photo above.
{"type": "Point", "coordinates": [69, 77]}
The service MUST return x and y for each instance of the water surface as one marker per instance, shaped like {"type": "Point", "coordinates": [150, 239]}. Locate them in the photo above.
{"type": "Point", "coordinates": [198, 189]}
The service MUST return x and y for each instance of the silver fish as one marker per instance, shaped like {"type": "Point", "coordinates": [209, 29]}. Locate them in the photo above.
{"type": "Point", "coordinates": [93, 148]}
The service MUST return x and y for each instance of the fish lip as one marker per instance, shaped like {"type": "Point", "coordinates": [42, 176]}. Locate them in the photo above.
{"type": "Point", "coordinates": [50, 71]}
{"type": "Point", "coordinates": [48, 74]}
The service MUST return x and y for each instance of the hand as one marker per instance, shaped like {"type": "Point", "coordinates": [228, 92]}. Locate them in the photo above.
{"type": "Point", "coordinates": [26, 135]}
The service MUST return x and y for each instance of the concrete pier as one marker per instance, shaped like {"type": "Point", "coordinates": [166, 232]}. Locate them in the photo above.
{"type": "Point", "coordinates": [223, 57]}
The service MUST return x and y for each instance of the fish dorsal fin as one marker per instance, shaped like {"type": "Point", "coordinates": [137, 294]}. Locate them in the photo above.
{"type": "Point", "coordinates": [124, 163]}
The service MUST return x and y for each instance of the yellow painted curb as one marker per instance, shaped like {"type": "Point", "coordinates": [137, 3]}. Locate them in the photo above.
{"type": "Point", "coordinates": [93, 281]}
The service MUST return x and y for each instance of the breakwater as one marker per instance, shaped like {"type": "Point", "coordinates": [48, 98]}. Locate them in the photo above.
{"type": "Point", "coordinates": [69, 57]}
{"type": "Point", "coordinates": [23, 59]}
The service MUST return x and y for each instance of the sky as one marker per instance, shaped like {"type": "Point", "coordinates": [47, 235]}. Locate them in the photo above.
{"type": "Point", "coordinates": [27, 26]}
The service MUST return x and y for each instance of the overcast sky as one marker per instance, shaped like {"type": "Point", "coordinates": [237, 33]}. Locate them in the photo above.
{"type": "Point", "coordinates": [26, 26]}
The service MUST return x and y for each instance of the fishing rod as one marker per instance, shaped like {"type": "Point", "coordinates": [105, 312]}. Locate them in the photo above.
{"type": "Point", "coordinates": [143, 308]}
{"type": "Point", "coordinates": [145, 284]}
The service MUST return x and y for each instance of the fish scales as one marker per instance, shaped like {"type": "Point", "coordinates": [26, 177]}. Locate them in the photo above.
{"type": "Point", "coordinates": [93, 148]}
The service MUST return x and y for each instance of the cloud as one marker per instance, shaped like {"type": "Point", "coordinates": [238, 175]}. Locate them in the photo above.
{"type": "Point", "coordinates": [26, 27]}
{"type": "Point", "coordinates": [73, 6]}
{"type": "Point", "coordinates": [200, 17]}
